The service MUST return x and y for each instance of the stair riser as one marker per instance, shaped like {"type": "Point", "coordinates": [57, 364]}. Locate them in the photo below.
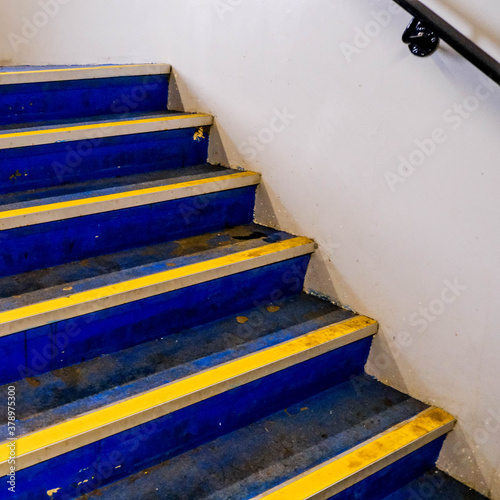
{"type": "Point", "coordinates": [36, 102]}
{"type": "Point", "coordinates": [396, 475]}
{"type": "Point", "coordinates": [45, 245]}
{"type": "Point", "coordinates": [33, 167]}
{"type": "Point", "coordinates": [72, 341]}
{"type": "Point", "coordinates": [148, 444]}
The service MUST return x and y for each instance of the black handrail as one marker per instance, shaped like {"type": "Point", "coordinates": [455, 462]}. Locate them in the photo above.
{"type": "Point", "coordinates": [433, 25]}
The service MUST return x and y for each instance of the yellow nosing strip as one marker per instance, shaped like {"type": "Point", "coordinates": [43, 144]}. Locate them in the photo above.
{"type": "Point", "coordinates": [79, 68]}
{"type": "Point", "coordinates": [105, 292]}
{"type": "Point", "coordinates": [121, 195]}
{"type": "Point", "coordinates": [93, 126]}
{"type": "Point", "coordinates": [318, 480]}
{"type": "Point", "coordinates": [184, 388]}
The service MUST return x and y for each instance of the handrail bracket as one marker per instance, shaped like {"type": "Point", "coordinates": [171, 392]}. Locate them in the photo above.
{"type": "Point", "coordinates": [421, 40]}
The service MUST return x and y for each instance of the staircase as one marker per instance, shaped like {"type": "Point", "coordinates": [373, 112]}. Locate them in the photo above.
{"type": "Point", "coordinates": [157, 341]}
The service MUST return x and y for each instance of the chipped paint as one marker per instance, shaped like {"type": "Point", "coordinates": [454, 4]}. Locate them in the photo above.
{"type": "Point", "coordinates": [188, 388]}
{"type": "Point", "coordinates": [51, 493]}
{"type": "Point", "coordinates": [175, 120]}
{"type": "Point", "coordinates": [38, 313]}
{"type": "Point", "coordinates": [273, 309]}
{"type": "Point", "coordinates": [319, 479]}
{"type": "Point", "coordinates": [15, 175]}
{"type": "Point", "coordinates": [199, 134]}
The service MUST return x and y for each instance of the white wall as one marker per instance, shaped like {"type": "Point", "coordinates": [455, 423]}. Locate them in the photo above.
{"type": "Point", "coordinates": [389, 253]}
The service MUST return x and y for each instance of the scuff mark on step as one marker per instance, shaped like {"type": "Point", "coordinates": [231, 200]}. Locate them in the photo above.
{"type": "Point", "coordinates": [15, 175]}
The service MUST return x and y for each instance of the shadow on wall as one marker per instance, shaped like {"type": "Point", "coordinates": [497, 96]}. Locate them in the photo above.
{"type": "Point", "coordinates": [7, 47]}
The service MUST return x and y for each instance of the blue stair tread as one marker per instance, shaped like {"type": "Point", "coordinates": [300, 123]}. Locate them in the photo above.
{"type": "Point", "coordinates": [435, 485]}
{"type": "Point", "coordinates": [101, 187]}
{"type": "Point", "coordinates": [67, 392]}
{"type": "Point", "coordinates": [45, 284]}
{"type": "Point", "coordinates": [252, 460]}
{"type": "Point", "coordinates": [101, 119]}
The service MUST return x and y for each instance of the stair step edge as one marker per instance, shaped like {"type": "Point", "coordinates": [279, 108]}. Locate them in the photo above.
{"type": "Point", "coordinates": [351, 467]}
{"type": "Point", "coordinates": [93, 426]}
{"type": "Point", "coordinates": [92, 130]}
{"type": "Point", "coordinates": [69, 206]}
{"type": "Point", "coordinates": [90, 301]}
{"type": "Point", "coordinates": [38, 74]}
{"type": "Point", "coordinates": [52, 397]}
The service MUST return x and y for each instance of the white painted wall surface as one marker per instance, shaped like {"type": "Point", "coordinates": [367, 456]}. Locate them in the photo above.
{"type": "Point", "coordinates": [419, 252]}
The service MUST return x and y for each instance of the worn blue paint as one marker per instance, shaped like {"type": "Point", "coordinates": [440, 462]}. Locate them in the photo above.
{"type": "Point", "coordinates": [45, 245]}
{"type": "Point", "coordinates": [435, 485]}
{"type": "Point", "coordinates": [392, 477]}
{"type": "Point", "coordinates": [78, 339]}
{"type": "Point", "coordinates": [41, 102]}
{"type": "Point", "coordinates": [46, 284]}
{"type": "Point", "coordinates": [13, 355]}
{"type": "Point", "coordinates": [147, 445]}
{"type": "Point", "coordinates": [249, 461]}
{"type": "Point", "coordinates": [52, 397]}
{"type": "Point", "coordinates": [34, 167]}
